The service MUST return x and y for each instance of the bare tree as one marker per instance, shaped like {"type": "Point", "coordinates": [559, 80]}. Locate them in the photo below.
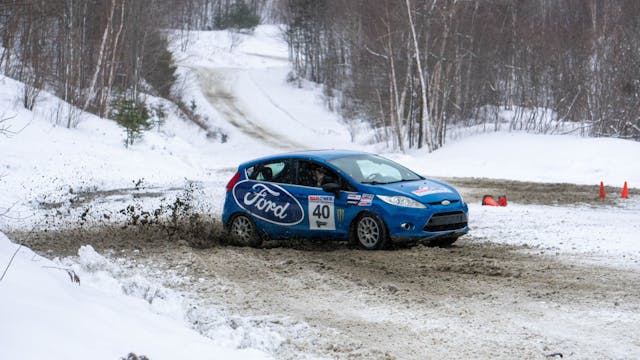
{"type": "Point", "coordinates": [578, 58]}
{"type": "Point", "coordinates": [424, 124]}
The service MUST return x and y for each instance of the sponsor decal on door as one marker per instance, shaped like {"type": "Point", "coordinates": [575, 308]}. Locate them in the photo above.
{"type": "Point", "coordinates": [321, 212]}
{"type": "Point", "coordinates": [366, 200]}
{"type": "Point", "coordinates": [353, 199]}
{"type": "Point", "coordinates": [340, 216]}
{"type": "Point", "coordinates": [268, 202]}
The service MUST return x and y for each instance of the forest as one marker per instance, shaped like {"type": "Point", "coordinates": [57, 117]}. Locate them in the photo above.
{"type": "Point", "coordinates": [413, 69]}
{"type": "Point", "coordinates": [416, 67]}
{"type": "Point", "coordinates": [99, 54]}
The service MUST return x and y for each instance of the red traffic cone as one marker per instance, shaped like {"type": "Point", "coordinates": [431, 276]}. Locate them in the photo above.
{"type": "Point", "coordinates": [602, 193]}
{"type": "Point", "coordinates": [625, 191]}
{"type": "Point", "coordinates": [502, 200]}
{"type": "Point", "coordinates": [489, 201]}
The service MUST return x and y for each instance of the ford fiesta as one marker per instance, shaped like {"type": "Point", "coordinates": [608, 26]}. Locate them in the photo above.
{"type": "Point", "coordinates": [341, 195]}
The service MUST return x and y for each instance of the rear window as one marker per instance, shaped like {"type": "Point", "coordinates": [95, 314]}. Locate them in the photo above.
{"type": "Point", "coordinates": [272, 171]}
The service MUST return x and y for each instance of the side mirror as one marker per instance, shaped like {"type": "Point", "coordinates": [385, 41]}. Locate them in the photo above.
{"type": "Point", "coordinates": [332, 188]}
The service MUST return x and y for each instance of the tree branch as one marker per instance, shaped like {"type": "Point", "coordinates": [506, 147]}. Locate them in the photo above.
{"type": "Point", "coordinates": [4, 128]}
{"type": "Point", "coordinates": [17, 250]}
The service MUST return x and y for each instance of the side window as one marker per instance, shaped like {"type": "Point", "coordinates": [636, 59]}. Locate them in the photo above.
{"type": "Point", "coordinates": [272, 171]}
{"type": "Point", "coordinates": [313, 174]}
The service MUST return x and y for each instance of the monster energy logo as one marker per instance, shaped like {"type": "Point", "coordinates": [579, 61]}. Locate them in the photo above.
{"type": "Point", "coordinates": [340, 215]}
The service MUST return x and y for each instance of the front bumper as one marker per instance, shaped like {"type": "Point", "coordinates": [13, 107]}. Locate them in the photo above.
{"type": "Point", "coordinates": [422, 224]}
{"type": "Point", "coordinates": [431, 236]}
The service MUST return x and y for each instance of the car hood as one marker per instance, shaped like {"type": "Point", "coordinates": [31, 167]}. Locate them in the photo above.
{"type": "Point", "coordinates": [425, 191]}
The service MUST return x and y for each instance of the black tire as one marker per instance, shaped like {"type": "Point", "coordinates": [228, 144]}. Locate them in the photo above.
{"type": "Point", "coordinates": [370, 232]}
{"type": "Point", "coordinates": [243, 230]}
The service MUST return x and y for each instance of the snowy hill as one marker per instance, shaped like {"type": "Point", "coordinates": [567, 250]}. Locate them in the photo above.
{"type": "Point", "coordinates": [237, 82]}
{"type": "Point", "coordinates": [240, 82]}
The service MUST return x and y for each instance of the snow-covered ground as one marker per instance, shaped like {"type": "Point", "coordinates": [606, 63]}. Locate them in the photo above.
{"type": "Point", "coordinates": [238, 83]}
{"type": "Point", "coordinates": [46, 315]}
{"type": "Point", "coordinates": [604, 235]}
{"type": "Point", "coordinates": [535, 158]}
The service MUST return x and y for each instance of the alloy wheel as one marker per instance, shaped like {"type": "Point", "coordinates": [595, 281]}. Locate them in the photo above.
{"type": "Point", "coordinates": [368, 232]}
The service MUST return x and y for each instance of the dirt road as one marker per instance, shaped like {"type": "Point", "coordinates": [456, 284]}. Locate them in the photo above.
{"type": "Point", "coordinates": [477, 299]}
{"type": "Point", "coordinates": [466, 301]}
{"type": "Point", "coordinates": [219, 94]}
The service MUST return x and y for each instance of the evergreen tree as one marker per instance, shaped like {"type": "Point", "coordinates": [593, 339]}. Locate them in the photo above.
{"type": "Point", "coordinates": [134, 117]}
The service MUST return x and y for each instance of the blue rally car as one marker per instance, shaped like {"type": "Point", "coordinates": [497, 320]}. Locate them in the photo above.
{"type": "Point", "coordinates": [341, 195]}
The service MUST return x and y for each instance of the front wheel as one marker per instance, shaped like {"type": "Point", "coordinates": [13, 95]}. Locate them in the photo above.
{"type": "Point", "coordinates": [244, 230]}
{"type": "Point", "coordinates": [370, 232]}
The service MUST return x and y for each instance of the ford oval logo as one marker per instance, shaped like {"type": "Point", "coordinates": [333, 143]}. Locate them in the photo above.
{"type": "Point", "coordinates": [445, 202]}
{"type": "Point", "coordinates": [268, 202]}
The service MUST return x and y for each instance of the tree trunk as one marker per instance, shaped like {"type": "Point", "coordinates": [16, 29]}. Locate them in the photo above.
{"type": "Point", "coordinates": [114, 53]}
{"type": "Point", "coordinates": [425, 123]}
{"type": "Point", "coordinates": [101, 54]}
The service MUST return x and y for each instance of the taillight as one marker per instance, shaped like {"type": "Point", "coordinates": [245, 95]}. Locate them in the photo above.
{"type": "Point", "coordinates": [233, 181]}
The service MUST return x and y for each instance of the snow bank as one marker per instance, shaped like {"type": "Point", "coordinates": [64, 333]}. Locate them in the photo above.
{"type": "Point", "coordinates": [607, 235]}
{"type": "Point", "coordinates": [536, 158]}
{"type": "Point", "coordinates": [47, 316]}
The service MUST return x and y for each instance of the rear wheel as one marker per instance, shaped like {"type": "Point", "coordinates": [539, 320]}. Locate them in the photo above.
{"type": "Point", "coordinates": [370, 232]}
{"type": "Point", "coordinates": [244, 231]}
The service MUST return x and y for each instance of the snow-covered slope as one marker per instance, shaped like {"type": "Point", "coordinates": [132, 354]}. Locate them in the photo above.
{"type": "Point", "coordinates": [240, 82]}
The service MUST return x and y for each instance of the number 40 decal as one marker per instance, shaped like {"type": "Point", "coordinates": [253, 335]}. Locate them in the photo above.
{"type": "Point", "coordinates": [321, 212]}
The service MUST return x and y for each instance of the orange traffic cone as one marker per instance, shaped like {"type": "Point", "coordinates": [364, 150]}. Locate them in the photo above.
{"type": "Point", "coordinates": [602, 193]}
{"type": "Point", "coordinates": [502, 200]}
{"type": "Point", "coordinates": [625, 191]}
{"type": "Point", "coordinates": [489, 201]}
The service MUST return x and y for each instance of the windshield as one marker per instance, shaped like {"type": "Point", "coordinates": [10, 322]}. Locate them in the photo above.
{"type": "Point", "coordinates": [372, 169]}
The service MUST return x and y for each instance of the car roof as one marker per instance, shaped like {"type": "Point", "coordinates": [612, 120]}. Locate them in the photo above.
{"type": "Point", "coordinates": [324, 154]}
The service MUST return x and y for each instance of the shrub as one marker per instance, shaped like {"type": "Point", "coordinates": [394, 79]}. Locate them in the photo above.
{"type": "Point", "coordinates": [240, 17]}
{"type": "Point", "coordinates": [134, 117]}
{"type": "Point", "coordinates": [160, 116]}
{"type": "Point", "coordinates": [159, 67]}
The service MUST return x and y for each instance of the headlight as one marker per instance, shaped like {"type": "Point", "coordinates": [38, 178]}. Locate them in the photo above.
{"type": "Point", "coordinates": [401, 201]}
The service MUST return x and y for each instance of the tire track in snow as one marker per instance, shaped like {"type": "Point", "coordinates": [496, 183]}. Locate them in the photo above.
{"type": "Point", "coordinates": [271, 101]}
{"type": "Point", "coordinates": [221, 97]}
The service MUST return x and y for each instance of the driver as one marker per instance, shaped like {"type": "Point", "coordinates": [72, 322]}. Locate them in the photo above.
{"type": "Point", "coordinates": [319, 175]}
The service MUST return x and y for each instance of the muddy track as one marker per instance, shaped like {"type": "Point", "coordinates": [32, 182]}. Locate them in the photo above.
{"type": "Point", "coordinates": [218, 93]}
{"type": "Point", "coordinates": [476, 299]}
{"type": "Point", "coordinates": [474, 189]}
{"type": "Point", "coordinates": [398, 304]}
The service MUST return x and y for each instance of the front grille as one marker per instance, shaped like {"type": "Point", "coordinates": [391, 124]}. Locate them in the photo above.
{"type": "Point", "coordinates": [446, 221]}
